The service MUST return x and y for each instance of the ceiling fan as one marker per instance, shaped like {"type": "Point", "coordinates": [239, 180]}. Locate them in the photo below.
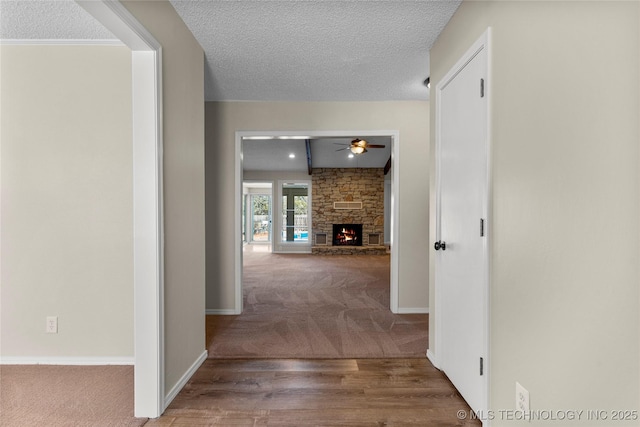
{"type": "Point", "coordinates": [359, 146]}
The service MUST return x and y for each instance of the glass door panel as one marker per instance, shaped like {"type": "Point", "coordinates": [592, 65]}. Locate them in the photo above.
{"type": "Point", "coordinates": [260, 218]}
{"type": "Point", "coordinates": [295, 212]}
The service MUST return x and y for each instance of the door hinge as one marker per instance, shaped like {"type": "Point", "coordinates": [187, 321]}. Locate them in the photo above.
{"type": "Point", "coordinates": [481, 366]}
{"type": "Point", "coordinates": [481, 227]}
{"type": "Point", "coordinates": [481, 88]}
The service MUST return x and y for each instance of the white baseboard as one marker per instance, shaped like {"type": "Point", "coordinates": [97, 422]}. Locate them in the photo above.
{"type": "Point", "coordinates": [81, 361]}
{"type": "Point", "coordinates": [221, 311]}
{"type": "Point", "coordinates": [432, 358]}
{"type": "Point", "coordinates": [415, 310]}
{"type": "Point", "coordinates": [184, 379]}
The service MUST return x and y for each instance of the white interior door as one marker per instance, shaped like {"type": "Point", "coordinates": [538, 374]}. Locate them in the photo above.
{"type": "Point", "coordinates": [461, 258]}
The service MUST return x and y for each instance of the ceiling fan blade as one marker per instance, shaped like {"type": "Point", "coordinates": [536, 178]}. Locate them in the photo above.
{"type": "Point", "coordinates": [342, 149]}
{"type": "Point", "coordinates": [375, 146]}
{"type": "Point", "coordinates": [340, 143]}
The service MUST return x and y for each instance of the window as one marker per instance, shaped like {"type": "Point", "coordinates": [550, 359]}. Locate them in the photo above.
{"type": "Point", "coordinates": [261, 218]}
{"type": "Point", "coordinates": [295, 212]}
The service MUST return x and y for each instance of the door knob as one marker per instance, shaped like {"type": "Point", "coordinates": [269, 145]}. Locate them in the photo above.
{"type": "Point", "coordinates": [440, 245]}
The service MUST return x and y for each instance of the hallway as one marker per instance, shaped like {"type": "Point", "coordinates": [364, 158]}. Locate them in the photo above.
{"type": "Point", "coordinates": [299, 393]}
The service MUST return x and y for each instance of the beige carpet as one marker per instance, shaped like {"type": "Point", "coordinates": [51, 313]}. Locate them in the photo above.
{"type": "Point", "coordinates": [316, 306]}
{"type": "Point", "coordinates": [61, 396]}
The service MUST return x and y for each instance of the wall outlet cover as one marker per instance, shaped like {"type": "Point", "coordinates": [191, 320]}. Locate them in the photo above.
{"type": "Point", "coordinates": [522, 398]}
{"type": "Point", "coordinates": [52, 325]}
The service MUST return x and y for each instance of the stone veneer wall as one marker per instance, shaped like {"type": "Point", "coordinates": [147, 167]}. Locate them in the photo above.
{"type": "Point", "coordinates": [352, 185]}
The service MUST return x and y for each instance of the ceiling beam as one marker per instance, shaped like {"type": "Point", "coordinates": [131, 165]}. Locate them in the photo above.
{"type": "Point", "coordinates": [308, 144]}
{"type": "Point", "coordinates": [387, 167]}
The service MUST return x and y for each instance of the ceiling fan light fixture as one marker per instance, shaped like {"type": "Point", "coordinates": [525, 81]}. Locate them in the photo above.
{"type": "Point", "coordinates": [359, 142]}
{"type": "Point", "coordinates": [358, 149]}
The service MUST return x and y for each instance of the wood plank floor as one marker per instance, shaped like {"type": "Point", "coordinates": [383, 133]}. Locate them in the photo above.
{"type": "Point", "coordinates": [344, 393]}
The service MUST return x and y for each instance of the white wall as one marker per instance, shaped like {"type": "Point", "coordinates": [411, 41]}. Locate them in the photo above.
{"type": "Point", "coordinates": [565, 233]}
{"type": "Point", "coordinates": [223, 119]}
{"type": "Point", "coordinates": [66, 180]}
{"type": "Point", "coordinates": [184, 222]}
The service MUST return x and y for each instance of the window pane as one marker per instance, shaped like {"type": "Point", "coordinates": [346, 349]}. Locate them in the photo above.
{"type": "Point", "coordinates": [261, 218]}
{"type": "Point", "coordinates": [295, 213]}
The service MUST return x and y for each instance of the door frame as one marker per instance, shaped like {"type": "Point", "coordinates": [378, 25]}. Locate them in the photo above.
{"type": "Point", "coordinates": [395, 191]}
{"type": "Point", "coordinates": [483, 43]}
{"type": "Point", "coordinates": [148, 224]}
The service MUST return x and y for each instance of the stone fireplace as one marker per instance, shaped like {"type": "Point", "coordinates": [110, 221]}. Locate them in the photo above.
{"type": "Point", "coordinates": [344, 198]}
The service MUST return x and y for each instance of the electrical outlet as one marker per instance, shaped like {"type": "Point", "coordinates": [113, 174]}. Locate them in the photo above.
{"type": "Point", "coordinates": [52, 324]}
{"type": "Point", "coordinates": [522, 398]}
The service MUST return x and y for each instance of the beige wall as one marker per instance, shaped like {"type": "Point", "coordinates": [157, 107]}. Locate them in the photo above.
{"type": "Point", "coordinates": [223, 119]}
{"type": "Point", "coordinates": [67, 240]}
{"type": "Point", "coordinates": [184, 227]}
{"type": "Point", "coordinates": [565, 232]}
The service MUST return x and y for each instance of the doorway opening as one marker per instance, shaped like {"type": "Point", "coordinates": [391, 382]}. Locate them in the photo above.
{"type": "Point", "coordinates": [308, 304]}
{"type": "Point", "coordinates": [285, 137]}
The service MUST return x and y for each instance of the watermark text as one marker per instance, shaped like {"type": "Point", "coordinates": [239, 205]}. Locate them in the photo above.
{"type": "Point", "coordinates": [550, 415]}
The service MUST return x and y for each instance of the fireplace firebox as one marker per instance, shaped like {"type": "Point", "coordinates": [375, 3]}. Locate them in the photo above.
{"type": "Point", "coordinates": [347, 234]}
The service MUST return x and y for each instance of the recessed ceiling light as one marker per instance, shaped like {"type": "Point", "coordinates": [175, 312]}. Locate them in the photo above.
{"type": "Point", "coordinates": [294, 137]}
{"type": "Point", "coordinates": [292, 156]}
{"type": "Point", "coordinates": [257, 137]}
{"type": "Point", "coordinates": [351, 156]}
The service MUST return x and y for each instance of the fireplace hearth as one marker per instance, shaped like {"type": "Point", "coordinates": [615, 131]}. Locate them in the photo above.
{"type": "Point", "coordinates": [347, 234]}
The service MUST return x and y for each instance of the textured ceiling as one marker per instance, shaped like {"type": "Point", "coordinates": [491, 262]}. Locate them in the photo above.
{"type": "Point", "coordinates": [316, 50]}
{"type": "Point", "coordinates": [48, 20]}
{"type": "Point", "coordinates": [280, 50]}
